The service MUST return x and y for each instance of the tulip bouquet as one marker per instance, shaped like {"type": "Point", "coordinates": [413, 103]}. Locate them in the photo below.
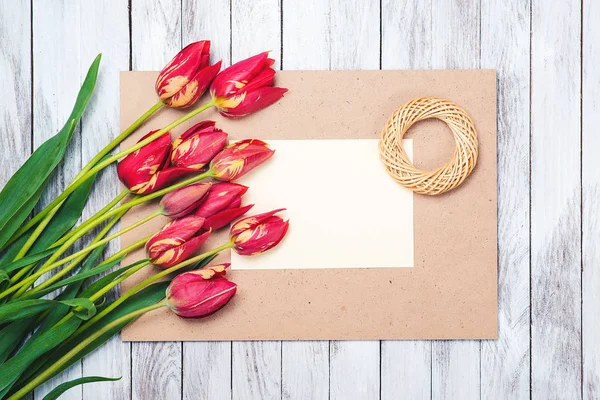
{"type": "Point", "coordinates": [53, 305]}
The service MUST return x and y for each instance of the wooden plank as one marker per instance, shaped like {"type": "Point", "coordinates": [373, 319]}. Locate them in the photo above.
{"type": "Point", "coordinates": [406, 44]}
{"type": "Point", "coordinates": [256, 366]}
{"type": "Point", "coordinates": [155, 39]}
{"type": "Point", "coordinates": [256, 370]}
{"type": "Point", "coordinates": [505, 362]}
{"type": "Point", "coordinates": [207, 365]}
{"type": "Point", "coordinates": [556, 200]}
{"type": "Point", "coordinates": [331, 35]}
{"type": "Point", "coordinates": [57, 74]}
{"type": "Point", "coordinates": [15, 81]}
{"type": "Point", "coordinates": [105, 28]}
{"type": "Point", "coordinates": [591, 203]}
{"type": "Point", "coordinates": [456, 44]}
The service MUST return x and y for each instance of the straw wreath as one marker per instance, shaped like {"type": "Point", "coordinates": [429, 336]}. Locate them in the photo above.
{"type": "Point", "coordinates": [446, 177]}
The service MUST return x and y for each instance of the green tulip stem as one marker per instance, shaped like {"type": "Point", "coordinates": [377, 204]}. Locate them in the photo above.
{"type": "Point", "coordinates": [150, 281]}
{"type": "Point", "coordinates": [103, 211]}
{"type": "Point", "coordinates": [110, 205]}
{"type": "Point", "coordinates": [22, 286]}
{"type": "Point", "coordinates": [29, 280]}
{"type": "Point", "coordinates": [73, 353]}
{"type": "Point", "coordinates": [93, 222]}
{"type": "Point", "coordinates": [107, 162]}
{"type": "Point", "coordinates": [83, 253]}
{"type": "Point", "coordinates": [48, 212]}
{"type": "Point", "coordinates": [91, 247]}
{"type": "Point", "coordinates": [89, 225]}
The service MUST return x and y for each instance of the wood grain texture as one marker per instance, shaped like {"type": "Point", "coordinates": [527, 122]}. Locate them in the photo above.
{"type": "Point", "coordinates": [505, 362]}
{"type": "Point", "coordinates": [155, 39]}
{"type": "Point", "coordinates": [207, 365]}
{"type": "Point", "coordinates": [406, 44]}
{"type": "Point", "coordinates": [58, 71]}
{"type": "Point", "coordinates": [256, 370]}
{"type": "Point", "coordinates": [15, 83]}
{"type": "Point", "coordinates": [256, 366]}
{"type": "Point", "coordinates": [455, 29]}
{"type": "Point", "coordinates": [104, 29]}
{"type": "Point", "coordinates": [556, 200]}
{"type": "Point", "coordinates": [591, 200]}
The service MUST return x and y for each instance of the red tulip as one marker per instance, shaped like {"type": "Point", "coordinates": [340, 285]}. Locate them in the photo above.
{"type": "Point", "coordinates": [201, 292]}
{"type": "Point", "coordinates": [187, 76]}
{"type": "Point", "coordinates": [176, 241]}
{"type": "Point", "coordinates": [222, 205]}
{"type": "Point", "coordinates": [240, 158]}
{"type": "Point", "coordinates": [198, 145]}
{"type": "Point", "coordinates": [246, 87]}
{"type": "Point", "coordinates": [183, 201]}
{"type": "Point", "coordinates": [144, 171]}
{"type": "Point", "coordinates": [259, 233]}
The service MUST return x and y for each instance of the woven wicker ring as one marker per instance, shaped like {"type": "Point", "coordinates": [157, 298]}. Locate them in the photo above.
{"type": "Point", "coordinates": [446, 177]}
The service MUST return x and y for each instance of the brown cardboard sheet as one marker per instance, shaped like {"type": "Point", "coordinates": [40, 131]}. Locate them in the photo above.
{"type": "Point", "coordinates": [450, 293]}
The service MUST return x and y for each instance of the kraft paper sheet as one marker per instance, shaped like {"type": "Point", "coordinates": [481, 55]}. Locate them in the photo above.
{"type": "Point", "coordinates": [449, 293]}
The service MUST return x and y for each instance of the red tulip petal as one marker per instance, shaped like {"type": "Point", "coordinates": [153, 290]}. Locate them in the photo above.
{"type": "Point", "coordinates": [262, 237]}
{"type": "Point", "coordinates": [162, 179]}
{"type": "Point", "coordinates": [177, 254]}
{"type": "Point", "coordinates": [252, 221]}
{"type": "Point", "coordinates": [251, 101]}
{"type": "Point", "coordinates": [235, 203]}
{"type": "Point", "coordinates": [193, 296]}
{"type": "Point", "coordinates": [235, 77]}
{"type": "Point", "coordinates": [198, 149]}
{"type": "Point", "coordinates": [264, 78]}
{"type": "Point", "coordinates": [204, 126]}
{"type": "Point", "coordinates": [183, 201]}
{"type": "Point", "coordinates": [179, 230]}
{"type": "Point", "coordinates": [136, 169]}
{"type": "Point", "coordinates": [182, 68]}
{"type": "Point", "coordinates": [220, 197]}
{"type": "Point", "coordinates": [225, 217]}
{"type": "Point", "coordinates": [195, 88]}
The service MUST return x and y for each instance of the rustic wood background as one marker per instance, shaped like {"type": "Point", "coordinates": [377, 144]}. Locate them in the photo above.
{"type": "Point", "coordinates": [547, 55]}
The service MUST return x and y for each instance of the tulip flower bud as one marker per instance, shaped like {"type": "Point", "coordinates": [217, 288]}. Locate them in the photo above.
{"type": "Point", "coordinates": [240, 158]}
{"type": "Point", "coordinates": [246, 87]}
{"type": "Point", "coordinates": [198, 145]}
{"type": "Point", "coordinates": [259, 233]}
{"type": "Point", "coordinates": [176, 241]}
{"type": "Point", "coordinates": [183, 201]}
{"type": "Point", "coordinates": [201, 292]}
{"type": "Point", "coordinates": [144, 171]}
{"type": "Point", "coordinates": [222, 205]}
{"type": "Point", "coordinates": [187, 76]}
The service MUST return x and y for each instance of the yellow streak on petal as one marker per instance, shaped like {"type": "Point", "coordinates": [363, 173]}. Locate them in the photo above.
{"type": "Point", "coordinates": [172, 86]}
{"type": "Point", "coordinates": [244, 237]}
{"type": "Point", "coordinates": [231, 102]}
{"type": "Point", "coordinates": [244, 224]}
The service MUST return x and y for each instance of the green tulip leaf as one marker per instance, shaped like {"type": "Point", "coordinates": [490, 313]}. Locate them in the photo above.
{"type": "Point", "coordinates": [34, 349]}
{"type": "Point", "coordinates": [66, 217]}
{"type": "Point", "coordinates": [21, 309]}
{"type": "Point", "coordinates": [144, 298]}
{"type": "Point", "coordinates": [80, 276]}
{"type": "Point", "coordinates": [4, 280]}
{"type": "Point", "coordinates": [23, 190]}
{"type": "Point", "coordinates": [63, 387]}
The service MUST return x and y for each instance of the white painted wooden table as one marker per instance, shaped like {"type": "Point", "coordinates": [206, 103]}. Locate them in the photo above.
{"type": "Point", "coordinates": [547, 54]}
